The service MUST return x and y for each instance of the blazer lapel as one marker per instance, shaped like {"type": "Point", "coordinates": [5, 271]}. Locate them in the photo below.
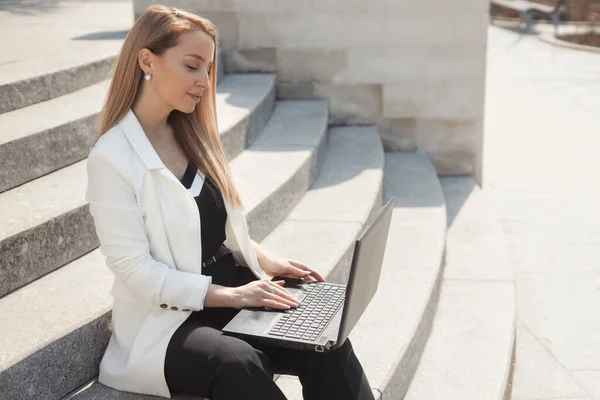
{"type": "Point", "coordinates": [177, 208]}
{"type": "Point", "coordinates": [177, 204]}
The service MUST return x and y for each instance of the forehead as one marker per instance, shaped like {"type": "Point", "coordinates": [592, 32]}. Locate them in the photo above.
{"type": "Point", "coordinates": [195, 42]}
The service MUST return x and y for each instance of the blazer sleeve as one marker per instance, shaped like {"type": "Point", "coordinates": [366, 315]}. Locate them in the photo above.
{"type": "Point", "coordinates": [120, 228]}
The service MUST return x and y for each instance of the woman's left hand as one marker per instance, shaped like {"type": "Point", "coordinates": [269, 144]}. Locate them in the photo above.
{"type": "Point", "coordinates": [274, 265]}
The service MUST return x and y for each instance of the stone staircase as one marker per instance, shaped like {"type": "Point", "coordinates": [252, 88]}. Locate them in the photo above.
{"type": "Point", "coordinates": [441, 325]}
{"type": "Point", "coordinates": [471, 348]}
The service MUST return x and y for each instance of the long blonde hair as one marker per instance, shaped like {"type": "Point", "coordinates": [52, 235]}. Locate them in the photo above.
{"type": "Point", "coordinates": [158, 29]}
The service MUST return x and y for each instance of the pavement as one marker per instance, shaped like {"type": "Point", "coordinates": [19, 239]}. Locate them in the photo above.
{"type": "Point", "coordinates": [542, 164]}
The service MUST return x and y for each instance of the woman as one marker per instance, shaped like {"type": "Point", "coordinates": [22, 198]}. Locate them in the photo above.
{"type": "Point", "coordinates": [173, 229]}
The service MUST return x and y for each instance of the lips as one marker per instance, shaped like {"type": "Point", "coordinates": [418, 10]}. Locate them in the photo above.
{"type": "Point", "coordinates": [194, 96]}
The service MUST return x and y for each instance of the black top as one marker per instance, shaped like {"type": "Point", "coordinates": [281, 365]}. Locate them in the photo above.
{"type": "Point", "coordinates": [212, 211]}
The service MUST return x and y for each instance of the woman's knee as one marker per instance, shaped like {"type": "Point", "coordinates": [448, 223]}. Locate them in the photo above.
{"type": "Point", "coordinates": [235, 356]}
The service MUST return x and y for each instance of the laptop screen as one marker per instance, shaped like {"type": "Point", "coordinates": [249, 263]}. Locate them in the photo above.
{"type": "Point", "coordinates": [369, 250]}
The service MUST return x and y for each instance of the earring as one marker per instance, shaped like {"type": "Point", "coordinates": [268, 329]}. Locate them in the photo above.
{"type": "Point", "coordinates": [148, 76]}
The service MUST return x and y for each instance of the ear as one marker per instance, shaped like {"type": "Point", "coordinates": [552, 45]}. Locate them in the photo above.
{"type": "Point", "coordinates": [145, 60]}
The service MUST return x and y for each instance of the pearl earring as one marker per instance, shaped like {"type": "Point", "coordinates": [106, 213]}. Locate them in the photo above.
{"type": "Point", "coordinates": [148, 76]}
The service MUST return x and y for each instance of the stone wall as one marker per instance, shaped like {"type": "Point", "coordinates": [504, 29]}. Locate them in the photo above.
{"type": "Point", "coordinates": [416, 68]}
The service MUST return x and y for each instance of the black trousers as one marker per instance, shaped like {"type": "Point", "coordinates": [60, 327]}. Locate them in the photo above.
{"type": "Point", "coordinates": [202, 361]}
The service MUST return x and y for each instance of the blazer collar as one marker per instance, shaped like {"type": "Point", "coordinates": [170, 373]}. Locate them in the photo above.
{"type": "Point", "coordinates": [139, 141]}
{"type": "Point", "coordinates": [236, 216]}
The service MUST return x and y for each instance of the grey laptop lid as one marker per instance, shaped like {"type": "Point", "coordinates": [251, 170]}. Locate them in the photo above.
{"type": "Point", "coordinates": [365, 271]}
{"type": "Point", "coordinates": [362, 284]}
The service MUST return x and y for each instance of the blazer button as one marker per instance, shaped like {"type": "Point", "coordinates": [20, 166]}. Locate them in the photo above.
{"type": "Point", "coordinates": [185, 309]}
{"type": "Point", "coordinates": [174, 308]}
{"type": "Point", "coordinates": [163, 306]}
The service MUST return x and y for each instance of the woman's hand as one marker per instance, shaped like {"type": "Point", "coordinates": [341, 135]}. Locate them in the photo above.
{"type": "Point", "coordinates": [260, 293]}
{"type": "Point", "coordinates": [263, 293]}
{"type": "Point", "coordinates": [274, 265]}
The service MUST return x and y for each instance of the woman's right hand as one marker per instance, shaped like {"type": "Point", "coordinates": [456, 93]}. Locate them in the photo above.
{"type": "Point", "coordinates": [258, 294]}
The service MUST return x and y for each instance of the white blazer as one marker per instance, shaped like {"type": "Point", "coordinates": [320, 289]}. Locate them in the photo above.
{"type": "Point", "coordinates": [148, 226]}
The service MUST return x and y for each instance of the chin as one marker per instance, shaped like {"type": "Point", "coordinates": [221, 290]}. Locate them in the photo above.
{"type": "Point", "coordinates": [186, 109]}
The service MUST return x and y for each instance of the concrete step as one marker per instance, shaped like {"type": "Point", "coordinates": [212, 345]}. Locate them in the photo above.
{"type": "Point", "coordinates": [292, 388]}
{"type": "Point", "coordinates": [244, 105]}
{"type": "Point", "coordinates": [75, 344]}
{"type": "Point", "coordinates": [391, 334]}
{"type": "Point", "coordinates": [43, 229]}
{"type": "Point", "coordinates": [44, 137]}
{"type": "Point", "coordinates": [321, 229]}
{"type": "Point", "coordinates": [286, 158]}
{"type": "Point", "coordinates": [470, 351]}
{"type": "Point", "coordinates": [65, 47]}
{"type": "Point", "coordinates": [46, 224]}
{"type": "Point", "coordinates": [59, 47]}
{"type": "Point", "coordinates": [391, 342]}
{"type": "Point", "coordinates": [41, 85]}
{"type": "Point", "coordinates": [347, 190]}
{"type": "Point", "coordinates": [55, 330]}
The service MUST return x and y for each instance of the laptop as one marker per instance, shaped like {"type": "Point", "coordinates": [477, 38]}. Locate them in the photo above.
{"type": "Point", "coordinates": [327, 312]}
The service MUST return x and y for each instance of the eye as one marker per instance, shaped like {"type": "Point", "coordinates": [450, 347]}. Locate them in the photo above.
{"type": "Point", "coordinates": [191, 68]}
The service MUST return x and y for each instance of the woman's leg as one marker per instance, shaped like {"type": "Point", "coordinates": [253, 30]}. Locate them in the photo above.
{"type": "Point", "coordinates": [201, 361]}
{"type": "Point", "coordinates": [334, 375]}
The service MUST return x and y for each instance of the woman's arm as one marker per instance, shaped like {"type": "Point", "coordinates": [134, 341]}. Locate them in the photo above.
{"type": "Point", "coordinates": [257, 293]}
{"type": "Point", "coordinates": [260, 253]}
{"type": "Point", "coordinates": [219, 296]}
{"type": "Point", "coordinates": [223, 296]}
{"type": "Point", "coordinates": [124, 241]}
{"type": "Point", "coordinates": [275, 265]}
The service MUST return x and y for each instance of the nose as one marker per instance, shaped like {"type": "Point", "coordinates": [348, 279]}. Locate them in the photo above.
{"type": "Point", "coordinates": [203, 83]}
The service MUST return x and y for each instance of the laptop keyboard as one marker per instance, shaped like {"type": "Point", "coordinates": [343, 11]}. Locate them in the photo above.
{"type": "Point", "coordinates": [310, 318]}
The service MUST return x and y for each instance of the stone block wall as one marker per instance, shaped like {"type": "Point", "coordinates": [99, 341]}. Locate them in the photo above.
{"type": "Point", "coordinates": [416, 68]}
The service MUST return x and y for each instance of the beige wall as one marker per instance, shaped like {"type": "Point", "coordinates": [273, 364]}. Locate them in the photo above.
{"type": "Point", "coordinates": [416, 68]}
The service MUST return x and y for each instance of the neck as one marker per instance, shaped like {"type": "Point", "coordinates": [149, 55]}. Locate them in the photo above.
{"type": "Point", "coordinates": [152, 113]}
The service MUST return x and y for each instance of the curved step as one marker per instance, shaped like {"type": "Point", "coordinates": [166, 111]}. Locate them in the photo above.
{"type": "Point", "coordinates": [321, 228]}
{"type": "Point", "coordinates": [47, 58]}
{"type": "Point", "coordinates": [44, 137]}
{"type": "Point", "coordinates": [278, 168]}
{"type": "Point", "coordinates": [391, 342]}
{"type": "Point", "coordinates": [392, 332]}
{"type": "Point", "coordinates": [43, 229]}
{"type": "Point", "coordinates": [352, 164]}
{"type": "Point", "coordinates": [470, 351]}
{"type": "Point", "coordinates": [244, 105]}
{"type": "Point", "coordinates": [80, 338]}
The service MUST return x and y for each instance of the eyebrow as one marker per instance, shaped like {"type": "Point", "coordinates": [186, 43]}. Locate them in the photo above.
{"type": "Point", "coordinates": [199, 57]}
